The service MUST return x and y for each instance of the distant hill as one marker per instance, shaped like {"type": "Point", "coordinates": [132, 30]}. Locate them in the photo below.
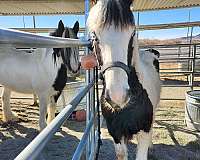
{"type": "Point", "coordinates": [195, 39]}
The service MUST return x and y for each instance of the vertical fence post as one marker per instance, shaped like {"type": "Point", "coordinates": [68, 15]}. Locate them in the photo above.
{"type": "Point", "coordinates": [88, 78]}
{"type": "Point", "coordinates": [193, 67]}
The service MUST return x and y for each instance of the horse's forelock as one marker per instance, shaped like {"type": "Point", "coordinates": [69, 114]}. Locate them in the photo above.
{"type": "Point", "coordinates": [118, 13]}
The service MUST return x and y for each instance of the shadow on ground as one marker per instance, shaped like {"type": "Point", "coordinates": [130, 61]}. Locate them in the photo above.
{"type": "Point", "coordinates": [14, 137]}
{"type": "Point", "coordinates": [191, 151]}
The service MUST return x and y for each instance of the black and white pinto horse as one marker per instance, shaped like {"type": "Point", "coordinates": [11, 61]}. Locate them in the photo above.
{"type": "Point", "coordinates": [131, 83]}
{"type": "Point", "coordinates": [42, 72]}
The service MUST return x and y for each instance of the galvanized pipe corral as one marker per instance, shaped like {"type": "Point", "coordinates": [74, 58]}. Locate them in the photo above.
{"type": "Point", "coordinates": [14, 38]}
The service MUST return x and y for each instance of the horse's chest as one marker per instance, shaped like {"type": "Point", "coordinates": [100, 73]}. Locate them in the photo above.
{"type": "Point", "coordinates": [135, 116]}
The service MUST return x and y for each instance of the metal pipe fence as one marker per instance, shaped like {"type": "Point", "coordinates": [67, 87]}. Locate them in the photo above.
{"type": "Point", "coordinates": [179, 62]}
{"type": "Point", "coordinates": [21, 39]}
{"type": "Point", "coordinates": [12, 38]}
{"type": "Point", "coordinates": [36, 146]}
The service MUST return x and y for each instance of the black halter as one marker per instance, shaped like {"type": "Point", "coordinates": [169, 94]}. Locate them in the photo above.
{"type": "Point", "coordinates": [117, 64]}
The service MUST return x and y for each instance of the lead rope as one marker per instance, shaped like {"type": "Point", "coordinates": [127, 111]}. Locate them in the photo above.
{"type": "Point", "coordinates": [99, 143]}
{"type": "Point", "coordinates": [96, 51]}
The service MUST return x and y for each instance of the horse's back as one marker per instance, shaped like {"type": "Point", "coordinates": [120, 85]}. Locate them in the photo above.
{"type": "Point", "coordinates": [20, 70]}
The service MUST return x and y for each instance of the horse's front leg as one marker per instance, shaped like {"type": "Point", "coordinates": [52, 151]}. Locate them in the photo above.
{"type": "Point", "coordinates": [35, 103]}
{"type": "Point", "coordinates": [121, 150]}
{"type": "Point", "coordinates": [144, 141]}
{"type": "Point", "coordinates": [51, 110]}
{"type": "Point", "coordinates": [52, 106]}
{"type": "Point", "coordinates": [7, 113]}
{"type": "Point", "coordinates": [43, 101]}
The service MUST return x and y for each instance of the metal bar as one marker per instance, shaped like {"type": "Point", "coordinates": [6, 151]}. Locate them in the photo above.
{"type": "Point", "coordinates": [82, 143]}
{"type": "Point", "coordinates": [92, 134]}
{"type": "Point", "coordinates": [79, 149]}
{"type": "Point", "coordinates": [173, 54]}
{"type": "Point", "coordinates": [15, 38]}
{"type": "Point", "coordinates": [139, 27]}
{"type": "Point", "coordinates": [34, 24]}
{"type": "Point", "coordinates": [167, 46]}
{"type": "Point", "coordinates": [42, 30]}
{"type": "Point", "coordinates": [138, 23]}
{"type": "Point", "coordinates": [180, 72]}
{"type": "Point", "coordinates": [174, 99]}
{"type": "Point", "coordinates": [178, 58]}
{"type": "Point", "coordinates": [169, 26]}
{"type": "Point", "coordinates": [88, 78]}
{"type": "Point", "coordinates": [171, 61]}
{"type": "Point", "coordinates": [37, 145]}
{"type": "Point", "coordinates": [92, 155]}
{"type": "Point", "coordinates": [164, 69]}
{"type": "Point", "coordinates": [193, 67]}
{"type": "Point", "coordinates": [178, 85]}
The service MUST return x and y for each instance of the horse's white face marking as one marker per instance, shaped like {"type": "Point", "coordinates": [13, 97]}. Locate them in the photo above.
{"type": "Point", "coordinates": [116, 78]}
{"type": "Point", "coordinates": [74, 59]}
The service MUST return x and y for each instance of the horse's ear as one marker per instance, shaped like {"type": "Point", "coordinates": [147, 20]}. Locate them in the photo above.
{"type": "Point", "coordinates": [61, 28]}
{"type": "Point", "coordinates": [76, 27]}
{"type": "Point", "coordinates": [128, 2]}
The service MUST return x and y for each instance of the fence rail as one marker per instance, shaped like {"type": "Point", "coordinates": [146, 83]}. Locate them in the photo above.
{"type": "Point", "coordinates": [33, 150]}
{"type": "Point", "coordinates": [23, 39]}
{"type": "Point", "coordinates": [179, 62]}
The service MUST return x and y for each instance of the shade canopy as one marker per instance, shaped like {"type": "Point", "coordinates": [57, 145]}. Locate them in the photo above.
{"type": "Point", "coordinates": [50, 7]}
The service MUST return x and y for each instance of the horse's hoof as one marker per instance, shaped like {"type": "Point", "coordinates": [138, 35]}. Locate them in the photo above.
{"type": "Point", "coordinates": [35, 104]}
{"type": "Point", "coordinates": [12, 118]}
{"type": "Point", "coordinates": [121, 157]}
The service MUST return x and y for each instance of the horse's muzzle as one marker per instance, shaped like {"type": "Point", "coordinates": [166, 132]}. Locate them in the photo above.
{"type": "Point", "coordinates": [120, 99]}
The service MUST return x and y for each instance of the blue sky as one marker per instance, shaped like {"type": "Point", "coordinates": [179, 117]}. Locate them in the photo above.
{"type": "Point", "coordinates": [150, 17]}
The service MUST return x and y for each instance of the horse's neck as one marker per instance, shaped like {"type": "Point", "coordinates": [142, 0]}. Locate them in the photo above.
{"type": "Point", "coordinates": [57, 61]}
{"type": "Point", "coordinates": [136, 56]}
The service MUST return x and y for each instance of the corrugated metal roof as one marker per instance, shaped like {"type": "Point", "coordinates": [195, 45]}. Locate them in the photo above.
{"type": "Point", "coordinates": [43, 7]}
{"type": "Point", "coordinates": [142, 5]}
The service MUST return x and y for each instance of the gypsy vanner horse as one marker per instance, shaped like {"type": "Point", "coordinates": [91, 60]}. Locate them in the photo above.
{"type": "Point", "coordinates": [42, 72]}
{"type": "Point", "coordinates": [131, 82]}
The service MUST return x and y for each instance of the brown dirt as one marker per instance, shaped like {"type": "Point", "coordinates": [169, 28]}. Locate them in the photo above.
{"type": "Point", "coordinates": [172, 140]}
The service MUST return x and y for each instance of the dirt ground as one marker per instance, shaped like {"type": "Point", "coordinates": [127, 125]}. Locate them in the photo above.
{"type": "Point", "coordinates": [171, 139]}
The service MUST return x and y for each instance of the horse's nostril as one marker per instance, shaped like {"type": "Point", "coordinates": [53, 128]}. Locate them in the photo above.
{"type": "Point", "coordinates": [128, 92]}
{"type": "Point", "coordinates": [126, 99]}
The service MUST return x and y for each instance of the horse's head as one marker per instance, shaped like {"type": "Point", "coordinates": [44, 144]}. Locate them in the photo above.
{"type": "Point", "coordinates": [113, 23]}
{"type": "Point", "coordinates": [70, 55]}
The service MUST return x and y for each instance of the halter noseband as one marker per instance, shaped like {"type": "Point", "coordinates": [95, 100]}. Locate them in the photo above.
{"type": "Point", "coordinates": [117, 64]}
